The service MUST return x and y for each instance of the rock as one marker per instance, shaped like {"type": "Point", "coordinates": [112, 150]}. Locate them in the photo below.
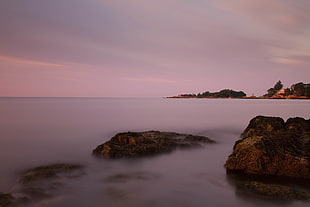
{"type": "Point", "coordinates": [41, 182]}
{"type": "Point", "coordinates": [262, 125]}
{"type": "Point", "coordinates": [5, 199]}
{"type": "Point", "coordinates": [47, 172]}
{"type": "Point", "coordinates": [269, 146]}
{"type": "Point", "coordinates": [137, 144]}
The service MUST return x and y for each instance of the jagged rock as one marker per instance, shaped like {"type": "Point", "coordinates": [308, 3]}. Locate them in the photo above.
{"type": "Point", "coordinates": [137, 144]}
{"type": "Point", "coordinates": [5, 199]}
{"type": "Point", "coordinates": [269, 146]}
{"type": "Point", "coordinates": [262, 125]}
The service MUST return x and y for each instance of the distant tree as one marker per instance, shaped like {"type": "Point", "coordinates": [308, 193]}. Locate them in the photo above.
{"type": "Point", "coordinates": [287, 92]}
{"type": "Point", "coordinates": [238, 94]}
{"type": "Point", "coordinates": [225, 93]}
{"type": "Point", "coordinates": [307, 90]}
{"type": "Point", "coordinates": [205, 94]}
{"type": "Point", "coordinates": [278, 86]}
{"type": "Point", "coordinates": [298, 89]}
{"type": "Point", "coordinates": [271, 92]}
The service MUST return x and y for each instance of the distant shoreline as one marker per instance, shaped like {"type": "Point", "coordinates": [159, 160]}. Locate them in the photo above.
{"type": "Point", "coordinates": [250, 97]}
{"type": "Point", "coordinates": [296, 91]}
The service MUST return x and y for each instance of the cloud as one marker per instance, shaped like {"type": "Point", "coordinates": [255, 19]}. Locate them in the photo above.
{"type": "Point", "coordinates": [28, 62]}
{"type": "Point", "coordinates": [149, 79]}
{"type": "Point", "coordinates": [286, 15]}
{"type": "Point", "coordinates": [101, 41]}
{"type": "Point", "coordinates": [290, 61]}
{"type": "Point", "coordinates": [282, 24]}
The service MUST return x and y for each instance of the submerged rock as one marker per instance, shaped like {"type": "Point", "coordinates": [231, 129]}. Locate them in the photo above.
{"type": "Point", "coordinates": [269, 188]}
{"type": "Point", "coordinates": [49, 171]}
{"type": "Point", "coordinates": [134, 176]}
{"type": "Point", "coordinates": [137, 144]}
{"type": "Point", "coordinates": [276, 191]}
{"type": "Point", "coordinates": [270, 146]}
{"type": "Point", "coordinates": [5, 199]}
{"type": "Point", "coordinates": [40, 183]}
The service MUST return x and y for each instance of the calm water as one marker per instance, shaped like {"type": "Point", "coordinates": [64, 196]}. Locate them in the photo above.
{"type": "Point", "coordinates": [40, 131]}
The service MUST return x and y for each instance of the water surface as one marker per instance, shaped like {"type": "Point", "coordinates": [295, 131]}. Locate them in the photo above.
{"type": "Point", "coordinates": [40, 131]}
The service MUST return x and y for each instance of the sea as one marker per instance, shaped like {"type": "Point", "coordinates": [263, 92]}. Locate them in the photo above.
{"type": "Point", "coordinates": [43, 131]}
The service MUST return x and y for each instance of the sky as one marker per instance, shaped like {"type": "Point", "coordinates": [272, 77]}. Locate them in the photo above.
{"type": "Point", "coordinates": [144, 48]}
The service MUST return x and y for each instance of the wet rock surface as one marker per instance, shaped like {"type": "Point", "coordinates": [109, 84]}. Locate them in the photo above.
{"type": "Point", "coordinates": [270, 146]}
{"type": "Point", "coordinates": [138, 144]}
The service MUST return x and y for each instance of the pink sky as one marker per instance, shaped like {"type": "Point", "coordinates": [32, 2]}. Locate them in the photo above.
{"type": "Point", "coordinates": [143, 48]}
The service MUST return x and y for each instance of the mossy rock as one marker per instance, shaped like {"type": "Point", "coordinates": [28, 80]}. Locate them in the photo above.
{"type": "Point", "coordinates": [270, 146]}
{"type": "Point", "coordinates": [262, 125]}
{"type": "Point", "coordinates": [138, 144]}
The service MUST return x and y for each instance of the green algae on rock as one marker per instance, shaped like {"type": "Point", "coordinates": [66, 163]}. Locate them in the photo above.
{"type": "Point", "coordinates": [137, 144]}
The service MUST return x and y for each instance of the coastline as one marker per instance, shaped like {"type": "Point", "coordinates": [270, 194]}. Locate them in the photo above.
{"type": "Point", "coordinates": [250, 97]}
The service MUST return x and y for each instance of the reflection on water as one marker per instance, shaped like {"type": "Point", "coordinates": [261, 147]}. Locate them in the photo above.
{"type": "Point", "coordinates": [42, 131]}
{"type": "Point", "coordinates": [278, 190]}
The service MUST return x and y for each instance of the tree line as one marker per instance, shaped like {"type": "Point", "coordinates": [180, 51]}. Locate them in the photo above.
{"type": "Point", "coordinates": [298, 89]}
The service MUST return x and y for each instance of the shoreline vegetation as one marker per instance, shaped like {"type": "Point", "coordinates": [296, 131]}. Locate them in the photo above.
{"type": "Point", "coordinates": [296, 91]}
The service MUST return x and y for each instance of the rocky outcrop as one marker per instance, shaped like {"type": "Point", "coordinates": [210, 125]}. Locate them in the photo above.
{"type": "Point", "coordinates": [270, 146]}
{"type": "Point", "coordinates": [137, 144]}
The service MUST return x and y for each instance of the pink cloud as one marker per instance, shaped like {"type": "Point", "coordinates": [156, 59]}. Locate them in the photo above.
{"type": "Point", "coordinates": [143, 47]}
{"type": "Point", "coordinates": [290, 61]}
{"type": "Point", "coordinates": [150, 79]}
{"type": "Point", "coordinates": [291, 14]}
{"type": "Point", "coordinates": [28, 62]}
